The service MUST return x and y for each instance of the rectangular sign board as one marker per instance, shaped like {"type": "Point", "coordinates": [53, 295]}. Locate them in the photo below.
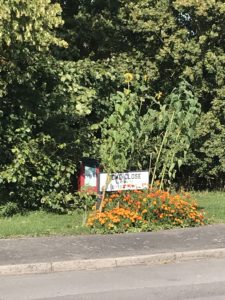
{"type": "Point", "coordinates": [137, 180]}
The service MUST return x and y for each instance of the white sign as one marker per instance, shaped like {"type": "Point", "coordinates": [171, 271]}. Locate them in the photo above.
{"type": "Point", "coordinates": [90, 176]}
{"type": "Point", "coordinates": [124, 181]}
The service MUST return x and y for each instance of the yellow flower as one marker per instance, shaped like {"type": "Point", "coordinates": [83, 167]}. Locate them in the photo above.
{"type": "Point", "coordinates": [145, 77]}
{"type": "Point", "coordinates": [158, 95]}
{"type": "Point", "coordinates": [128, 77]}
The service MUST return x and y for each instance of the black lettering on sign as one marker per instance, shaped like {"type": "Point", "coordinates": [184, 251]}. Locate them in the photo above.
{"type": "Point", "coordinates": [123, 177]}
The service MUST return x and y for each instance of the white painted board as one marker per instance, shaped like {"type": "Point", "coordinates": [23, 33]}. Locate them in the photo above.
{"type": "Point", "coordinates": [137, 180]}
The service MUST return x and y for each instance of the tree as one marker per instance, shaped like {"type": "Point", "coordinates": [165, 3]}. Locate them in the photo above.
{"type": "Point", "coordinates": [163, 41]}
{"type": "Point", "coordinates": [40, 105]}
{"type": "Point", "coordinates": [62, 66]}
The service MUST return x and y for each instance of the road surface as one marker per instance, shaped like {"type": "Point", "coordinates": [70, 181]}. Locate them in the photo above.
{"type": "Point", "coordinates": [204, 279]}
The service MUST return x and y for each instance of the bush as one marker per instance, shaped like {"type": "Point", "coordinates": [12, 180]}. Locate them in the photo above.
{"type": "Point", "coordinates": [66, 202]}
{"type": "Point", "coordinates": [38, 176]}
{"type": "Point", "coordinates": [85, 200]}
{"type": "Point", "coordinates": [9, 209]}
{"type": "Point", "coordinates": [145, 210]}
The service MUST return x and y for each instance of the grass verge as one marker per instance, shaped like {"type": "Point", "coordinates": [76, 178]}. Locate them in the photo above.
{"type": "Point", "coordinates": [42, 223]}
{"type": "Point", "coordinates": [213, 203]}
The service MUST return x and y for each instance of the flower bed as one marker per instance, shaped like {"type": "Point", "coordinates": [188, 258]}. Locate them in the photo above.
{"type": "Point", "coordinates": [144, 211]}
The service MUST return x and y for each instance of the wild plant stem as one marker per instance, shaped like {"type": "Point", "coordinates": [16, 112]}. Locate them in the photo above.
{"type": "Point", "coordinates": [171, 160]}
{"type": "Point", "coordinates": [160, 150]}
{"type": "Point", "coordinates": [104, 192]}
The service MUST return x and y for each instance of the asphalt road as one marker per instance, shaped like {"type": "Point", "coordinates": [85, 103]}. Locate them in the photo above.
{"type": "Point", "coordinates": [187, 280]}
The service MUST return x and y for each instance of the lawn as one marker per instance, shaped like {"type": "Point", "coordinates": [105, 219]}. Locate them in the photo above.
{"type": "Point", "coordinates": [42, 223]}
{"type": "Point", "coordinates": [213, 203]}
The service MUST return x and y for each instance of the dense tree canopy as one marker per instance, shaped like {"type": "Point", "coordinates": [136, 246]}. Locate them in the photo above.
{"type": "Point", "coordinates": [64, 89]}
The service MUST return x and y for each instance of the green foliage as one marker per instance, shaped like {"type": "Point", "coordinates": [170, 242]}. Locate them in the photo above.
{"type": "Point", "coordinates": [184, 39]}
{"type": "Point", "coordinates": [35, 176]}
{"type": "Point", "coordinates": [9, 209]}
{"type": "Point", "coordinates": [119, 132]}
{"type": "Point", "coordinates": [161, 131]}
{"type": "Point", "coordinates": [180, 118]}
{"type": "Point", "coordinates": [85, 200]}
{"type": "Point", "coordinates": [29, 23]}
{"type": "Point", "coordinates": [208, 151]}
{"type": "Point", "coordinates": [63, 94]}
{"type": "Point", "coordinates": [43, 107]}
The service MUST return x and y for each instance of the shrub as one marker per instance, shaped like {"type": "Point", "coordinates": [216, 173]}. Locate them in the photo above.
{"type": "Point", "coordinates": [9, 209]}
{"type": "Point", "coordinates": [145, 210]}
{"type": "Point", "coordinates": [66, 202]}
{"type": "Point", "coordinates": [84, 199]}
{"type": "Point", "coordinates": [38, 175]}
